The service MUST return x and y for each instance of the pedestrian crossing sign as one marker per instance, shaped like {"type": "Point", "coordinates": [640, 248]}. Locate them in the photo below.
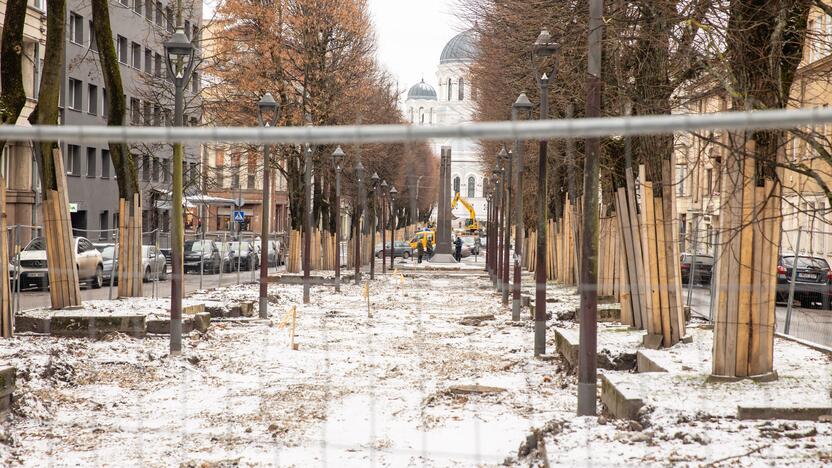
{"type": "Point", "coordinates": [239, 216]}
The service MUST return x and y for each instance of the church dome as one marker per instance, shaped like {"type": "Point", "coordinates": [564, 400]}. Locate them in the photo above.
{"type": "Point", "coordinates": [462, 48]}
{"type": "Point", "coordinates": [422, 91]}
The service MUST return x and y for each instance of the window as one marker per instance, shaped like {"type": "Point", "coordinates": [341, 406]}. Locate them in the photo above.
{"type": "Point", "coordinates": [421, 115]}
{"type": "Point", "coordinates": [73, 160]}
{"type": "Point", "coordinates": [456, 184]}
{"type": "Point", "coordinates": [103, 219]}
{"type": "Point", "coordinates": [156, 170]}
{"type": "Point", "coordinates": [148, 10]}
{"type": "Point", "coordinates": [187, 29]}
{"type": "Point", "coordinates": [709, 180]}
{"type": "Point", "coordinates": [92, 99]}
{"type": "Point", "coordinates": [252, 168]}
{"type": "Point", "coordinates": [461, 90]}
{"type": "Point", "coordinates": [157, 116]}
{"type": "Point", "coordinates": [93, 39]}
{"type": "Point", "coordinates": [91, 163]}
{"type": "Point", "coordinates": [193, 173]}
{"type": "Point", "coordinates": [75, 94]}
{"type": "Point", "coordinates": [219, 161]}
{"type": "Point", "coordinates": [148, 61]}
{"type": "Point", "coordinates": [136, 56]}
{"type": "Point", "coordinates": [76, 28]}
{"type": "Point", "coordinates": [157, 66]}
{"type": "Point", "coordinates": [160, 14]}
{"type": "Point", "coordinates": [195, 83]}
{"type": "Point", "coordinates": [235, 167]}
{"type": "Point", "coordinates": [472, 187]}
{"type": "Point", "coordinates": [167, 172]}
{"type": "Point", "coordinates": [147, 114]}
{"type": "Point", "coordinates": [104, 103]}
{"type": "Point", "coordinates": [123, 2]}
{"type": "Point", "coordinates": [169, 18]}
{"type": "Point", "coordinates": [449, 89]}
{"type": "Point", "coordinates": [681, 175]}
{"type": "Point", "coordinates": [135, 111]}
{"type": "Point", "coordinates": [137, 6]}
{"type": "Point", "coordinates": [105, 164]}
{"type": "Point", "coordinates": [121, 49]}
{"type": "Point", "coordinates": [146, 168]}
{"type": "Point", "coordinates": [37, 64]}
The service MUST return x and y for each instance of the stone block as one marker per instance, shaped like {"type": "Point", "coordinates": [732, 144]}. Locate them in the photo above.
{"type": "Point", "coordinates": [247, 308]}
{"type": "Point", "coordinates": [161, 325]}
{"type": "Point", "coordinates": [31, 324]}
{"type": "Point", "coordinates": [96, 326]}
{"type": "Point", "coordinates": [652, 341]}
{"type": "Point", "coordinates": [620, 401]}
{"type": "Point", "coordinates": [797, 413]}
{"type": "Point", "coordinates": [644, 363]}
{"type": "Point", "coordinates": [7, 387]}
{"type": "Point", "coordinates": [193, 309]}
{"type": "Point", "coordinates": [566, 343]}
{"type": "Point", "coordinates": [202, 321]}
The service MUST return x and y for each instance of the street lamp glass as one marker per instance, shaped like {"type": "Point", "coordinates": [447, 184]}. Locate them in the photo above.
{"type": "Point", "coordinates": [374, 178]}
{"type": "Point", "coordinates": [393, 193]}
{"type": "Point", "coordinates": [338, 157]}
{"type": "Point", "coordinates": [359, 172]}
{"type": "Point", "coordinates": [544, 46]}
{"type": "Point", "coordinates": [179, 54]}
{"type": "Point", "coordinates": [267, 111]}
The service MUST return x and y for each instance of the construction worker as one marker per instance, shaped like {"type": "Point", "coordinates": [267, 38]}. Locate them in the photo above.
{"type": "Point", "coordinates": [458, 248]}
{"type": "Point", "coordinates": [420, 250]}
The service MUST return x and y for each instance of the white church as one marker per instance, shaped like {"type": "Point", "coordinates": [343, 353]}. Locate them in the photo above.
{"type": "Point", "coordinates": [453, 105]}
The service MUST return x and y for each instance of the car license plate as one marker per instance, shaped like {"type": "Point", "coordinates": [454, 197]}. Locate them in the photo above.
{"type": "Point", "coordinates": [37, 274]}
{"type": "Point", "coordinates": [807, 276]}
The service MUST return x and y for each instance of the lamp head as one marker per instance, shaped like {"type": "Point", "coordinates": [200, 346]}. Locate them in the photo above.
{"type": "Point", "coordinates": [359, 172]}
{"type": "Point", "coordinates": [522, 103]}
{"type": "Point", "coordinates": [393, 193]}
{"type": "Point", "coordinates": [267, 111]}
{"type": "Point", "coordinates": [544, 45]}
{"type": "Point", "coordinates": [179, 54]}
{"type": "Point", "coordinates": [338, 158]}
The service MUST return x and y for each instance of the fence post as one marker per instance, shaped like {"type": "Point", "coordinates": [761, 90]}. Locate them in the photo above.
{"type": "Point", "coordinates": [14, 262]}
{"type": "Point", "coordinates": [113, 268]}
{"type": "Point", "coordinates": [791, 282]}
{"type": "Point", "coordinates": [239, 254]}
{"type": "Point", "coordinates": [154, 267]}
{"type": "Point", "coordinates": [201, 258]}
{"type": "Point", "coordinates": [692, 275]}
{"type": "Point", "coordinates": [223, 253]}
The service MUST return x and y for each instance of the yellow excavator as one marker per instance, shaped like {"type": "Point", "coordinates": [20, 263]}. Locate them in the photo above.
{"type": "Point", "coordinates": [471, 224]}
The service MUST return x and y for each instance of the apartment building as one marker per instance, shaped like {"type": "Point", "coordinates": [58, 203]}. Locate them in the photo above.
{"type": "Point", "coordinates": [17, 164]}
{"type": "Point", "coordinates": [140, 28]}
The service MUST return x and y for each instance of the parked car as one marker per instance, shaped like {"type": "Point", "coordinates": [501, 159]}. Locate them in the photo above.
{"type": "Point", "coordinates": [240, 255]}
{"type": "Point", "coordinates": [275, 251]}
{"type": "Point", "coordinates": [812, 281]}
{"type": "Point", "coordinates": [34, 270]}
{"type": "Point", "coordinates": [704, 267]}
{"type": "Point", "coordinates": [202, 255]}
{"type": "Point", "coordinates": [400, 249]}
{"type": "Point", "coordinates": [100, 246]}
{"type": "Point", "coordinates": [473, 244]}
{"type": "Point", "coordinates": [154, 264]}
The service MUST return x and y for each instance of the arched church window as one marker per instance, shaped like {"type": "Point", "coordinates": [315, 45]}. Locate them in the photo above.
{"type": "Point", "coordinates": [456, 184]}
{"type": "Point", "coordinates": [450, 95]}
{"type": "Point", "coordinates": [472, 187]}
{"type": "Point", "coordinates": [422, 115]}
{"type": "Point", "coordinates": [411, 115]}
{"type": "Point", "coordinates": [461, 90]}
{"type": "Point", "coordinates": [430, 116]}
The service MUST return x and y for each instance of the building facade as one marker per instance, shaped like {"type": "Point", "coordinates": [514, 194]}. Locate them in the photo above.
{"type": "Point", "coordinates": [453, 105]}
{"type": "Point", "coordinates": [140, 28]}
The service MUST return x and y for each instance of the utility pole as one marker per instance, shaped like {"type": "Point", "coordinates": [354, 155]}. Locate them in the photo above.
{"type": "Point", "coordinates": [588, 340]}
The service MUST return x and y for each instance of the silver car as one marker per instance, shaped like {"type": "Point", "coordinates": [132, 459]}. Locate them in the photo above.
{"type": "Point", "coordinates": [154, 264]}
{"type": "Point", "coordinates": [34, 270]}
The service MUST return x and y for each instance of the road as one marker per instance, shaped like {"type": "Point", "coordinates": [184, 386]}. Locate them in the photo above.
{"type": "Point", "coordinates": [32, 299]}
{"type": "Point", "coordinates": [809, 324]}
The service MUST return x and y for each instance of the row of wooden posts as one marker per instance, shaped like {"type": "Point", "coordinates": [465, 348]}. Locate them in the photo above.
{"type": "Point", "coordinates": [322, 251]}
{"type": "Point", "coordinates": [639, 262]}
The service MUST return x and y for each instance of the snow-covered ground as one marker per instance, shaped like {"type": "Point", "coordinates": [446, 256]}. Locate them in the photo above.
{"type": "Point", "coordinates": [362, 389]}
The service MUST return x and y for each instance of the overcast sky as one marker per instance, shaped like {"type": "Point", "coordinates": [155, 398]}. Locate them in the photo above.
{"type": "Point", "coordinates": [411, 35]}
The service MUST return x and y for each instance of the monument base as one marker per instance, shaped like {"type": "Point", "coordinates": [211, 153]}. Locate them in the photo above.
{"type": "Point", "coordinates": [442, 258]}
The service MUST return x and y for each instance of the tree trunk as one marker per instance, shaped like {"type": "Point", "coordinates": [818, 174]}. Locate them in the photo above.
{"type": "Point", "coordinates": [130, 213]}
{"type": "Point", "coordinates": [60, 248]}
{"type": "Point", "coordinates": [13, 97]}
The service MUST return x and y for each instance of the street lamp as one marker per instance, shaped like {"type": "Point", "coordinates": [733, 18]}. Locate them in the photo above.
{"type": "Point", "coordinates": [337, 160]}
{"type": "Point", "coordinates": [179, 58]}
{"type": "Point", "coordinates": [524, 106]}
{"type": "Point", "coordinates": [506, 157]}
{"type": "Point", "coordinates": [488, 223]}
{"type": "Point", "coordinates": [385, 190]}
{"type": "Point", "coordinates": [374, 224]}
{"type": "Point", "coordinates": [359, 209]}
{"type": "Point", "coordinates": [267, 114]}
{"type": "Point", "coordinates": [502, 272]}
{"type": "Point", "coordinates": [496, 174]}
{"type": "Point", "coordinates": [543, 47]}
{"type": "Point", "coordinates": [307, 222]}
{"type": "Point", "coordinates": [393, 195]}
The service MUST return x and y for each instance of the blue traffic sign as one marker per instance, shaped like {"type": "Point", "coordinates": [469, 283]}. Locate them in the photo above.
{"type": "Point", "coordinates": [239, 216]}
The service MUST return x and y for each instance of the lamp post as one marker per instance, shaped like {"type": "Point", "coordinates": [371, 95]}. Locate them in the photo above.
{"type": "Point", "coordinates": [337, 160]}
{"type": "Point", "coordinates": [498, 209]}
{"type": "Point", "coordinates": [307, 221]}
{"type": "Point", "coordinates": [393, 195]}
{"type": "Point", "coordinates": [522, 104]}
{"type": "Point", "coordinates": [502, 157]}
{"type": "Point", "coordinates": [384, 192]}
{"type": "Point", "coordinates": [488, 223]}
{"type": "Point", "coordinates": [359, 178]}
{"type": "Point", "coordinates": [373, 224]}
{"type": "Point", "coordinates": [179, 58]}
{"type": "Point", "coordinates": [267, 114]}
{"type": "Point", "coordinates": [544, 47]}
{"type": "Point", "coordinates": [507, 163]}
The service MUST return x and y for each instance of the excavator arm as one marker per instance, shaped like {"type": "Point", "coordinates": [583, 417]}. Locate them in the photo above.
{"type": "Point", "coordinates": [472, 223]}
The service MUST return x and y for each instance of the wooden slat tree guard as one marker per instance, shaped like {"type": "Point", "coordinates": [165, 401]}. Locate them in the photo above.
{"type": "Point", "coordinates": [6, 319]}
{"type": "Point", "coordinates": [744, 316]}
{"type": "Point", "coordinates": [60, 246]}
{"type": "Point", "coordinates": [130, 247]}
{"type": "Point", "coordinates": [293, 263]}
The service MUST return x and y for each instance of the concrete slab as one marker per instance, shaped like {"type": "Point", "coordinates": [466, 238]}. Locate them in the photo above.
{"type": "Point", "coordinates": [157, 325]}
{"type": "Point", "coordinates": [649, 362]}
{"type": "Point", "coordinates": [314, 278]}
{"type": "Point", "coordinates": [85, 324]}
{"type": "Point", "coordinates": [796, 413]}
{"type": "Point", "coordinates": [566, 342]}
{"type": "Point", "coordinates": [8, 375]}
{"type": "Point", "coordinates": [620, 398]}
